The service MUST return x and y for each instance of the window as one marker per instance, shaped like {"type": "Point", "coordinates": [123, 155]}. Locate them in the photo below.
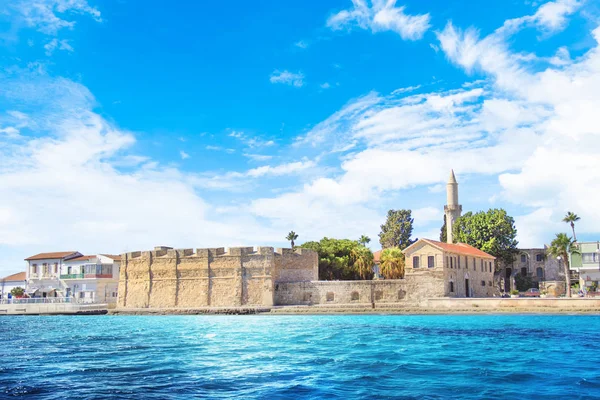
{"type": "Point", "coordinates": [354, 296]}
{"type": "Point", "coordinates": [485, 267]}
{"type": "Point", "coordinates": [415, 262]}
{"type": "Point", "coordinates": [34, 269]}
{"type": "Point", "coordinates": [524, 271]}
{"type": "Point", "coordinates": [539, 257]}
{"type": "Point", "coordinates": [590, 257]}
{"type": "Point", "coordinates": [451, 287]}
{"type": "Point", "coordinates": [523, 258]}
{"type": "Point", "coordinates": [451, 262]}
{"type": "Point", "coordinates": [474, 263]}
{"type": "Point", "coordinates": [481, 263]}
{"type": "Point", "coordinates": [447, 261]}
{"type": "Point", "coordinates": [458, 262]}
{"type": "Point", "coordinates": [539, 272]}
{"type": "Point", "coordinates": [69, 270]}
{"type": "Point", "coordinates": [430, 262]}
{"type": "Point", "coordinates": [330, 296]}
{"type": "Point", "coordinates": [482, 283]}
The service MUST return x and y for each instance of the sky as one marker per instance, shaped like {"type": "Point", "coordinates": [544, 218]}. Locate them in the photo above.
{"type": "Point", "coordinates": [125, 125]}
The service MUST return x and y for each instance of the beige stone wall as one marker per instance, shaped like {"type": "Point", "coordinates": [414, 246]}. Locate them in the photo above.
{"type": "Point", "coordinates": [455, 268]}
{"type": "Point", "coordinates": [242, 276]}
{"type": "Point", "coordinates": [415, 286]}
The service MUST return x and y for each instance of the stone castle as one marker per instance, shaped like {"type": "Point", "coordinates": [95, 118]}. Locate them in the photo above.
{"type": "Point", "coordinates": [265, 277]}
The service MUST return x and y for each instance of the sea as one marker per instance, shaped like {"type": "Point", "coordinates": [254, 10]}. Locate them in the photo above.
{"type": "Point", "coordinates": [297, 357]}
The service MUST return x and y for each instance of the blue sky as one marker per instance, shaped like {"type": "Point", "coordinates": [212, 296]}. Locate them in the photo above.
{"type": "Point", "coordinates": [125, 126]}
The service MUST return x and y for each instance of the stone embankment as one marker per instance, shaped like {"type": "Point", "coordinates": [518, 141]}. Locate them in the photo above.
{"type": "Point", "coordinates": [429, 306]}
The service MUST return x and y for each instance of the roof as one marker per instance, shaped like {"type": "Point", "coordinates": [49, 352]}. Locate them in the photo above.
{"type": "Point", "coordinates": [114, 257]}
{"type": "Point", "coordinates": [81, 258]}
{"type": "Point", "coordinates": [458, 248]}
{"type": "Point", "coordinates": [19, 276]}
{"type": "Point", "coordinates": [377, 256]}
{"type": "Point", "coordinates": [452, 178]}
{"type": "Point", "coordinates": [58, 254]}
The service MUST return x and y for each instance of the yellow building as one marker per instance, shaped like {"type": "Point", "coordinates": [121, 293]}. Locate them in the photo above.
{"type": "Point", "coordinates": [468, 272]}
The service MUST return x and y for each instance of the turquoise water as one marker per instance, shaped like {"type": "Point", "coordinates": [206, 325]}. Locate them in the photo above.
{"type": "Point", "coordinates": [170, 357]}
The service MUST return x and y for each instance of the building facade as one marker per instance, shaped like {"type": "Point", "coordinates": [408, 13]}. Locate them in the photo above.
{"type": "Point", "coordinates": [586, 263]}
{"type": "Point", "coordinates": [10, 282]}
{"type": "Point", "coordinates": [92, 279]}
{"type": "Point", "coordinates": [86, 279]}
{"type": "Point", "coordinates": [466, 271]}
{"type": "Point", "coordinates": [43, 273]}
{"type": "Point", "coordinates": [533, 266]}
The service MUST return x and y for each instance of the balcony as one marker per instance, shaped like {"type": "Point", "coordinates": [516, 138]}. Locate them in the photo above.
{"type": "Point", "coordinates": [98, 276]}
{"type": "Point", "coordinates": [72, 276]}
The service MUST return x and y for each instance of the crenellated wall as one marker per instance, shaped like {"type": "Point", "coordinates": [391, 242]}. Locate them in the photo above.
{"type": "Point", "coordinates": [184, 278]}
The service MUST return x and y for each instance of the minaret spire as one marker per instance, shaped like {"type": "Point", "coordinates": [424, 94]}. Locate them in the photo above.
{"type": "Point", "coordinates": [452, 209]}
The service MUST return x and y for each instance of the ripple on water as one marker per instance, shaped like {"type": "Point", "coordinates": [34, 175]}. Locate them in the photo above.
{"type": "Point", "coordinates": [424, 357]}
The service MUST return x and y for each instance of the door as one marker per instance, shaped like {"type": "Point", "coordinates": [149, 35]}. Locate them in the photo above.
{"type": "Point", "coordinates": [467, 288]}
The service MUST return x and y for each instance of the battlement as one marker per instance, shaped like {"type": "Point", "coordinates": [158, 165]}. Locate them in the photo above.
{"type": "Point", "coordinates": [170, 252]}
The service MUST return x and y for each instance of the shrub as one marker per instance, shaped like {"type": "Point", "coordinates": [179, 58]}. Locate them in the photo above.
{"type": "Point", "coordinates": [514, 291]}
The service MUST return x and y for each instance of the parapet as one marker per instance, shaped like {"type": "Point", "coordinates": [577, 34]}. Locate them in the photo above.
{"type": "Point", "coordinates": [162, 251]}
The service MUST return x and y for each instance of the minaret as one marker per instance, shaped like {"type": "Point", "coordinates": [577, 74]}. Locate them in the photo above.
{"type": "Point", "coordinates": [452, 209]}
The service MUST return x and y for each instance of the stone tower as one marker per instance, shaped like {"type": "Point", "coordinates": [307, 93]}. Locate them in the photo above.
{"type": "Point", "coordinates": [452, 209]}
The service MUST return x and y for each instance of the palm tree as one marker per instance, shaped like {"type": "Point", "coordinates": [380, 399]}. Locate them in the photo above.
{"type": "Point", "coordinates": [363, 262]}
{"type": "Point", "coordinates": [364, 240]}
{"type": "Point", "coordinates": [560, 247]}
{"type": "Point", "coordinates": [291, 237]}
{"type": "Point", "coordinates": [571, 218]}
{"type": "Point", "coordinates": [392, 263]}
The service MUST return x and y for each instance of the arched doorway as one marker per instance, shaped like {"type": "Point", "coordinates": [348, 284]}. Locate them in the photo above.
{"type": "Point", "coordinates": [467, 288]}
{"type": "Point", "coordinates": [508, 273]}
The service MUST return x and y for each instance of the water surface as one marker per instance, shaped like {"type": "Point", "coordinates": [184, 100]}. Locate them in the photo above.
{"type": "Point", "coordinates": [171, 357]}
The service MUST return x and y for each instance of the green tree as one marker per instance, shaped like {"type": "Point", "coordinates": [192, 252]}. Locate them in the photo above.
{"type": "Point", "coordinates": [17, 291]}
{"type": "Point", "coordinates": [362, 260]}
{"type": "Point", "coordinates": [291, 237]}
{"type": "Point", "coordinates": [571, 218]}
{"type": "Point", "coordinates": [364, 240]}
{"type": "Point", "coordinates": [493, 232]}
{"type": "Point", "coordinates": [444, 232]}
{"type": "Point", "coordinates": [561, 246]}
{"type": "Point", "coordinates": [392, 263]}
{"type": "Point", "coordinates": [397, 230]}
{"type": "Point", "coordinates": [342, 259]}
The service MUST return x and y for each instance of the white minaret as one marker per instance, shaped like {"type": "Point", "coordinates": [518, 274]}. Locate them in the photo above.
{"type": "Point", "coordinates": [452, 209]}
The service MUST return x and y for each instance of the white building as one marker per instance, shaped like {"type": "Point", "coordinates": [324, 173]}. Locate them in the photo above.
{"type": "Point", "coordinates": [88, 279]}
{"type": "Point", "coordinates": [43, 273]}
{"type": "Point", "coordinates": [92, 279]}
{"type": "Point", "coordinates": [10, 282]}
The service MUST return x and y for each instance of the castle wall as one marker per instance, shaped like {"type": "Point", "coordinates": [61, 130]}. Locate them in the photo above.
{"type": "Point", "coordinates": [414, 287]}
{"type": "Point", "coordinates": [242, 276]}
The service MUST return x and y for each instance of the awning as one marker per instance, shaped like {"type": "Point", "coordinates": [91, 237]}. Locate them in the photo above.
{"type": "Point", "coordinates": [31, 290]}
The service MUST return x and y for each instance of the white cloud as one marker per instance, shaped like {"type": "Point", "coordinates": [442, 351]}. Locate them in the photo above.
{"type": "Point", "coordinates": [382, 15]}
{"type": "Point", "coordinates": [325, 85]}
{"type": "Point", "coordinates": [251, 141]}
{"type": "Point", "coordinates": [49, 16]}
{"type": "Point", "coordinates": [57, 44]}
{"type": "Point", "coordinates": [287, 78]}
{"type": "Point", "coordinates": [257, 157]}
{"type": "Point", "coordinates": [303, 44]}
{"type": "Point", "coordinates": [183, 155]}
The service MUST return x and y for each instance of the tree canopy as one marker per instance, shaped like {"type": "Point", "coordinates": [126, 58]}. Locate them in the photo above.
{"type": "Point", "coordinates": [342, 259]}
{"type": "Point", "coordinates": [561, 246]}
{"type": "Point", "coordinates": [392, 263]}
{"type": "Point", "coordinates": [397, 230]}
{"type": "Point", "coordinates": [493, 231]}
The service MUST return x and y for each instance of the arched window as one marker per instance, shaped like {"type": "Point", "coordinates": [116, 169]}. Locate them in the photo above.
{"type": "Point", "coordinates": [451, 287]}
{"type": "Point", "coordinates": [539, 272]}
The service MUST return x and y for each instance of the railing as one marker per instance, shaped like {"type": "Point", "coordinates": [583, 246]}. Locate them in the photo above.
{"type": "Point", "coordinates": [71, 276]}
{"type": "Point", "coordinates": [39, 300]}
{"type": "Point", "coordinates": [96, 276]}
{"type": "Point", "coordinates": [50, 300]}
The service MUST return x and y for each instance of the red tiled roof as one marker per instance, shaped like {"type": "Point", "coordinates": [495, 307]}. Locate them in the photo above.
{"type": "Point", "coordinates": [114, 257]}
{"type": "Point", "coordinates": [58, 254]}
{"type": "Point", "coordinates": [377, 256]}
{"type": "Point", "coordinates": [458, 248]}
{"type": "Point", "coordinates": [81, 258]}
{"type": "Point", "coordinates": [19, 276]}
